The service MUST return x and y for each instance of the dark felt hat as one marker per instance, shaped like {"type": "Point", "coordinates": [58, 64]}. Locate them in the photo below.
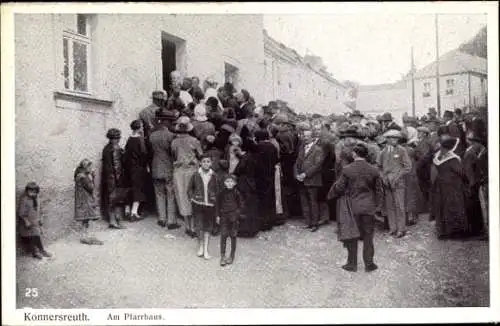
{"type": "Point", "coordinates": [357, 113]}
{"type": "Point", "coordinates": [114, 133]}
{"type": "Point", "coordinates": [386, 117]}
{"type": "Point", "coordinates": [166, 115]}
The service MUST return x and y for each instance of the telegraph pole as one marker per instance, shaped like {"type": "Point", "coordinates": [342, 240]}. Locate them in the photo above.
{"type": "Point", "coordinates": [437, 68]}
{"type": "Point", "coordinates": [412, 83]}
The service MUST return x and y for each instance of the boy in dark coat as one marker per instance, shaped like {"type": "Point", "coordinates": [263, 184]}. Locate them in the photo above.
{"type": "Point", "coordinates": [229, 205]}
{"type": "Point", "coordinates": [360, 186]}
{"type": "Point", "coordinates": [202, 191]}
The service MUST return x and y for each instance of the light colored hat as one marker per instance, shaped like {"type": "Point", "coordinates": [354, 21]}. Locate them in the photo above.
{"type": "Point", "coordinates": [424, 129]}
{"type": "Point", "coordinates": [373, 122]}
{"type": "Point", "coordinates": [200, 112]}
{"type": "Point", "coordinates": [234, 137]}
{"type": "Point", "coordinates": [392, 134]}
{"type": "Point", "coordinates": [183, 124]}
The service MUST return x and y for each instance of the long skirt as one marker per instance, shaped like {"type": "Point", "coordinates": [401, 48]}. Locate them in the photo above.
{"type": "Point", "coordinates": [277, 190]}
{"type": "Point", "coordinates": [182, 176]}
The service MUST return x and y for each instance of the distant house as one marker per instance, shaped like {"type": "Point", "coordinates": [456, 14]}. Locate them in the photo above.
{"type": "Point", "coordinates": [463, 84]}
{"type": "Point", "coordinates": [301, 81]}
{"type": "Point", "coordinates": [376, 99]}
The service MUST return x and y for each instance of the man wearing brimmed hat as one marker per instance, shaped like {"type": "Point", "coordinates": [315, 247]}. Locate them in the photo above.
{"type": "Point", "coordinates": [473, 174]}
{"type": "Point", "coordinates": [114, 192]}
{"type": "Point", "coordinates": [385, 120]}
{"type": "Point", "coordinates": [288, 140]}
{"type": "Point", "coordinates": [394, 163]}
{"type": "Point", "coordinates": [162, 170]}
{"type": "Point", "coordinates": [148, 114]}
{"type": "Point", "coordinates": [349, 137]}
{"type": "Point", "coordinates": [356, 116]}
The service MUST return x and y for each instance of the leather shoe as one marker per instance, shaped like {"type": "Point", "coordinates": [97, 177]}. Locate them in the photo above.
{"type": "Point", "coordinates": [307, 226]}
{"type": "Point", "coordinates": [349, 268]}
{"type": "Point", "coordinates": [371, 268]}
{"type": "Point", "coordinates": [173, 226]}
{"type": "Point", "coordinates": [162, 223]}
{"type": "Point", "coordinates": [314, 228]}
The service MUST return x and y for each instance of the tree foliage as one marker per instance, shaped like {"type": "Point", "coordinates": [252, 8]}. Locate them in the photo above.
{"type": "Point", "coordinates": [477, 45]}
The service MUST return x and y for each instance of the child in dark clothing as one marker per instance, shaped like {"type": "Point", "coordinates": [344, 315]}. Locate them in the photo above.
{"type": "Point", "coordinates": [30, 221]}
{"type": "Point", "coordinates": [229, 204]}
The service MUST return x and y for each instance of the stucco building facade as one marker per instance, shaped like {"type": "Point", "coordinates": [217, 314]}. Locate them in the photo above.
{"type": "Point", "coordinates": [78, 75]}
{"type": "Point", "coordinates": [463, 84]}
{"type": "Point", "coordinates": [301, 81]}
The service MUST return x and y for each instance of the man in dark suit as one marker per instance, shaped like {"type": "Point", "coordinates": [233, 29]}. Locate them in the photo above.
{"type": "Point", "coordinates": [162, 170]}
{"type": "Point", "coordinates": [307, 171]}
{"type": "Point", "coordinates": [360, 188]}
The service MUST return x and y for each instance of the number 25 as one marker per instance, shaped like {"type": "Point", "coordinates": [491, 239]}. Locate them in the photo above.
{"type": "Point", "coordinates": [31, 292]}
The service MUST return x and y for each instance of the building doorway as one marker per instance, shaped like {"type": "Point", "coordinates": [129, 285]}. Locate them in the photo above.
{"type": "Point", "coordinates": [173, 55]}
{"type": "Point", "coordinates": [231, 74]}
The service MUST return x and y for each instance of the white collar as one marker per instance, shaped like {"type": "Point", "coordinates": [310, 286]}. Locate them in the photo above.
{"type": "Point", "coordinates": [451, 155]}
{"type": "Point", "coordinates": [201, 172]}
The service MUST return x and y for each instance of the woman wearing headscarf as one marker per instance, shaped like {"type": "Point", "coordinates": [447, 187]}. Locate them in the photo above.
{"type": "Point", "coordinates": [448, 191]}
{"type": "Point", "coordinates": [85, 202]}
{"type": "Point", "coordinates": [136, 168]}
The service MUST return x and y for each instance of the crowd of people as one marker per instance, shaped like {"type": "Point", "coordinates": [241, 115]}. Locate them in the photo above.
{"type": "Point", "coordinates": [208, 156]}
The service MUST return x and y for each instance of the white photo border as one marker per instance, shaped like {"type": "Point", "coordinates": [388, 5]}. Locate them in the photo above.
{"type": "Point", "coordinates": [11, 316]}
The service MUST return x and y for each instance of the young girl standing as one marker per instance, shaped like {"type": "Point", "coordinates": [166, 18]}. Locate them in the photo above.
{"type": "Point", "coordinates": [30, 221]}
{"type": "Point", "coordinates": [85, 203]}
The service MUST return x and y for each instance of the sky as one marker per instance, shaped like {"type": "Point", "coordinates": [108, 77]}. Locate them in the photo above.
{"type": "Point", "coordinates": [372, 48]}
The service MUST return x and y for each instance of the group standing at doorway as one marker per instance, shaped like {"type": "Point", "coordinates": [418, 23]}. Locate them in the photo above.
{"type": "Point", "coordinates": [208, 156]}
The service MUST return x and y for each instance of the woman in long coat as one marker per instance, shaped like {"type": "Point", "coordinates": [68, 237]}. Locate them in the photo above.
{"type": "Point", "coordinates": [186, 150]}
{"type": "Point", "coordinates": [245, 171]}
{"type": "Point", "coordinates": [85, 202]}
{"type": "Point", "coordinates": [448, 192]}
{"type": "Point", "coordinates": [136, 167]}
{"type": "Point", "coordinates": [266, 160]}
{"type": "Point", "coordinates": [114, 192]}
